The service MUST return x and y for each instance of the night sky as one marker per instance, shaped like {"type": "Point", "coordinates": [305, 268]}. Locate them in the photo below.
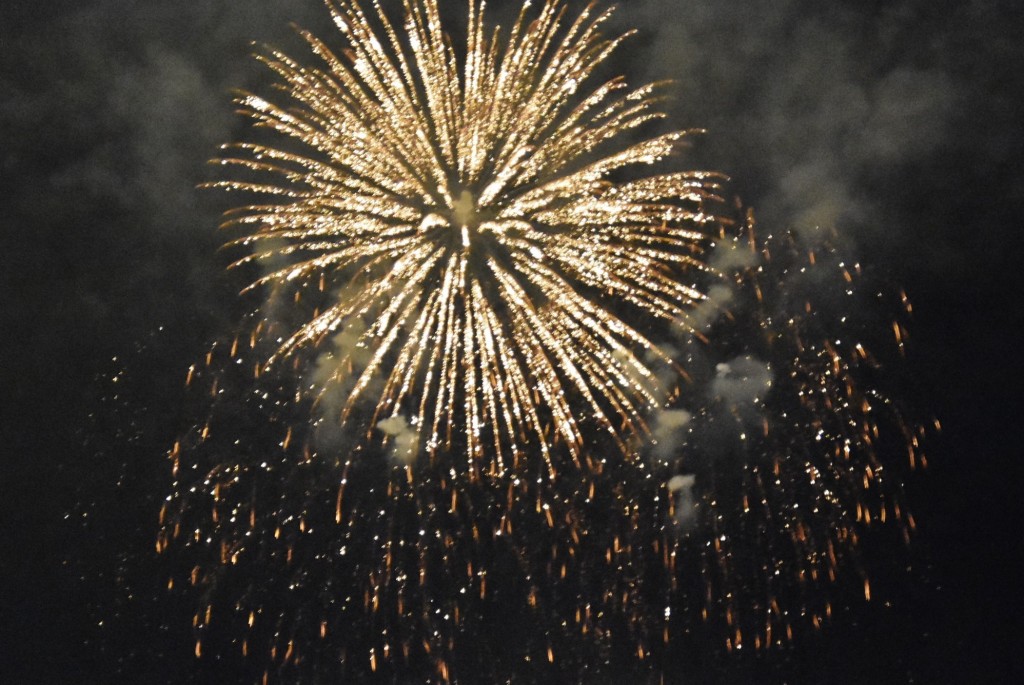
{"type": "Point", "coordinates": [896, 123]}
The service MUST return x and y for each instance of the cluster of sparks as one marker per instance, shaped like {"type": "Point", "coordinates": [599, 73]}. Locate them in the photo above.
{"type": "Point", "coordinates": [429, 455]}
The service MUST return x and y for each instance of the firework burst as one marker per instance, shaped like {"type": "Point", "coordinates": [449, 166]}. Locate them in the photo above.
{"type": "Point", "coordinates": [484, 276]}
{"type": "Point", "coordinates": [453, 441]}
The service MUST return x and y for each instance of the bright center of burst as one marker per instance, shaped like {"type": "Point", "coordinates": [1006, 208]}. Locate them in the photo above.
{"type": "Point", "coordinates": [464, 209]}
{"type": "Point", "coordinates": [462, 220]}
{"type": "Point", "coordinates": [464, 215]}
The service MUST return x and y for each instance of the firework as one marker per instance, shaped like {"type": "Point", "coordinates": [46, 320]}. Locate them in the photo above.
{"type": "Point", "coordinates": [484, 278]}
{"type": "Point", "coordinates": [509, 407]}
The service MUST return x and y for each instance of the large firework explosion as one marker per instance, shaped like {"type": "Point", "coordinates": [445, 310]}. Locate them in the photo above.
{"type": "Point", "coordinates": [507, 407]}
{"type": "Point", "coordinates": [463, 243]}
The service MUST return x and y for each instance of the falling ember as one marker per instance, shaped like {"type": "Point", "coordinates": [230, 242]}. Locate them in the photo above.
{"type": "Point", "coordinates": [498, 378]}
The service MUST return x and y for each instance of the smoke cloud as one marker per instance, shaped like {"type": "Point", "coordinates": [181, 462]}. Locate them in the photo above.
{"type": "Point", "coordinates": [668, 432]}
{"type": "Point", "coordinates": [681, 487]}
{"type": "Point", "coordinates": [742, 381]}
{"type": "Point", "coordinates": [405, 438]}
{"type": "Point", "coordinates": [812, 108]}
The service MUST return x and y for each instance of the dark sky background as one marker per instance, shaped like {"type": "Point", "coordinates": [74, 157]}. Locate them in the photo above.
{"type": "Point", "coordinates": [898, 123]}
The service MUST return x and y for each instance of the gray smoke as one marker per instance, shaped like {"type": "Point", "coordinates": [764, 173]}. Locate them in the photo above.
{"type": "Point", "coordinates": [807, 105]}
{"type": "Point", "coordinates": [668, 432]}
{"type": "Point", "coordinates": [404, 438]}
{"type": "Point", "coordinates": [726, 258]}
{"type": "Point", "coordinates": [743, 381]}
{"type": "Point", "coordinates": [681, 487]}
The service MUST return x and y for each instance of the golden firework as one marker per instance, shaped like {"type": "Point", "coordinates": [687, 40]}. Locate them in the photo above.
{"type": "Point", "coordinates": [461, 251]}
{"type": "Point", "coordinates": [480, 223]}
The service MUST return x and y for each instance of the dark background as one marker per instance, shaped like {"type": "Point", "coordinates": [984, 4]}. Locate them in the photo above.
{"type": "Point", "coordinates": [898, 123]}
